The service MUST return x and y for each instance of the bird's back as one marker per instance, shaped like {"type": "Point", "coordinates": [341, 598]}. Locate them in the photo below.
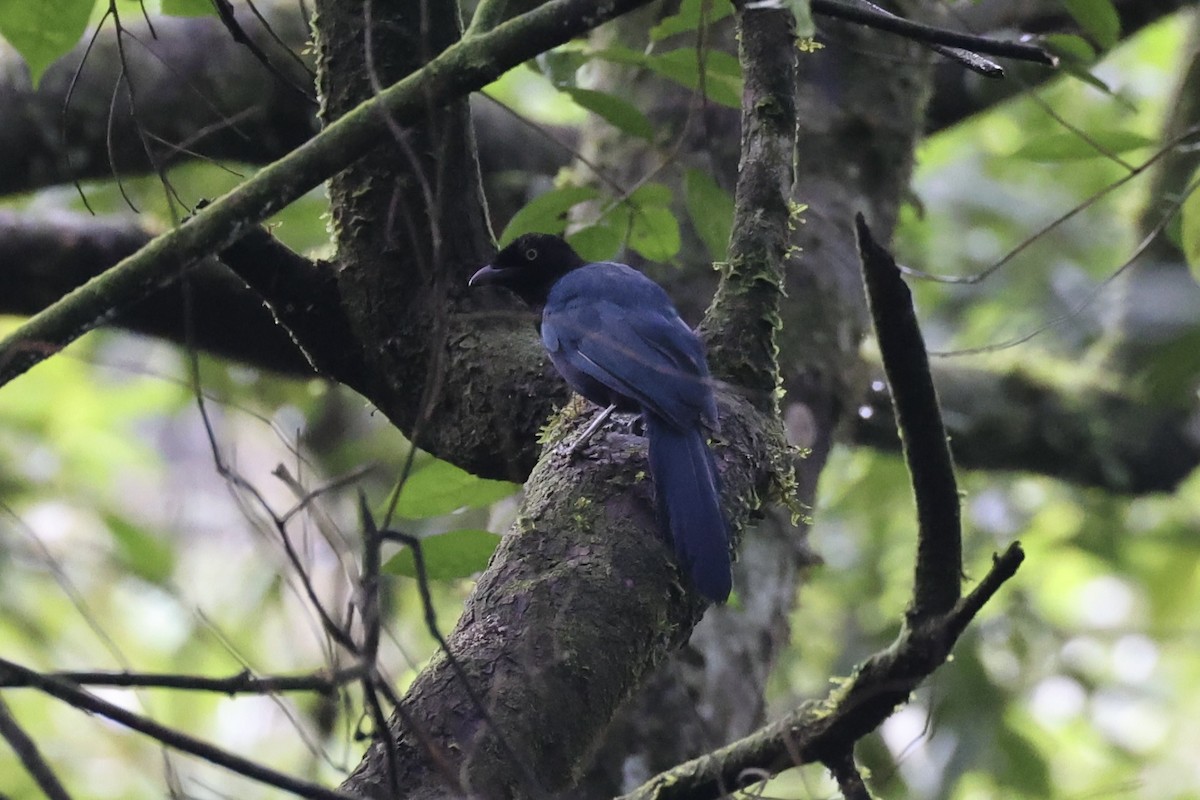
{"type": "Point", "coordinates": [614, 334]}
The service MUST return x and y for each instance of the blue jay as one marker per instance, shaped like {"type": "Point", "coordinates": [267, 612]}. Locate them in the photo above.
{"type": "Point", "coordinates": [614, 336]}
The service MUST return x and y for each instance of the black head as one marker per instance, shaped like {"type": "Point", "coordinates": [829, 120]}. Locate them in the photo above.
{"type": "Point", "coordinates": [530, 266]}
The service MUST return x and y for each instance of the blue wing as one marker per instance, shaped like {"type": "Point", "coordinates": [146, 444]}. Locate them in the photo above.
{"type": "Point", "coordinates": [615, 337]}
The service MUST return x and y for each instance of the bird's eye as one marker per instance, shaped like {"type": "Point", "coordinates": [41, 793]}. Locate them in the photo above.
{"type": "Point", "coordinates": [531, 254]}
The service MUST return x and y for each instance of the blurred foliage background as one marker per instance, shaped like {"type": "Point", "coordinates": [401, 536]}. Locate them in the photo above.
{"type": "Point", "coordinates": [123, 546]}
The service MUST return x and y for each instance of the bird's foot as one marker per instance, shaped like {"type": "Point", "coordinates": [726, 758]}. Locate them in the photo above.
{"type": "Point", "coordinates": [592, 427]}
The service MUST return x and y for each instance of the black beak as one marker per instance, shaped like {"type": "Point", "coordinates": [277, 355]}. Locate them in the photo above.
{"type": "Point", "coordinates": [488, 274]}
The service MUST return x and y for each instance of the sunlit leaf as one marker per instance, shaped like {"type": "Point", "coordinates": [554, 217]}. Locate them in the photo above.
{"type": "Point", "coordinates": [711, 210]}
{"type": "Point", "coordinates": [560, 65]}
{"type": "Point", "coordinates": [188, 8]}
{"type": "Point", "coordinates": [1070, 47]}
{"type": "Point", "coordinates": [652, 194]}
{"type": "Point", "coordinates": [1024, 766]}
{"type": "Point", "coordinates": [691, 14]}
{"type": "Point", "coordinates": [440, 488]}
{"type": "Point", "coordinates": [1067, 146]}
{"type": "Point", "coordinates": [43, 31]}
{"type": "Point", "coordinates": [1189, 226]}
{"type": "Point", "coordinates": [722, 73]}
{"type": "Point", "coordinates": [447, 556]}
{"type": "Point", "coordinates": [619, 112]}
{"type": "Point", "coordinates": [547, 213]}
{"type": "Point", "coordinates": [598, 242]}
{"type": "Point", "coordinates": [144, 553]}
{"type": "Point", "coordinates": [1076, 56]}
{"type": "Point", "coordinates": [652, 228]}
{"type": "Point", "coordinates": [655, 233]}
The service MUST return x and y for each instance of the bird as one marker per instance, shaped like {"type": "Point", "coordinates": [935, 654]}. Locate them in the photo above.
{"type": "Point", "coordinates": [615, 337]}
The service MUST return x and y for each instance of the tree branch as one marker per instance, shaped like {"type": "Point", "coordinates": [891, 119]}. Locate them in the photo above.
{"type": "Point", "coordinates": [244, 682]}
{"type": "Point", "coordinates": [581, 602]}
{"type": "Point", "coordinates": [743, 321]}
{"type": "Point", "coordinates": [957, 96]}
{"type": "Point", "coordinates": [1023, 418]}
{"type": "Point", "coordinates": [936, 616]}
{"type": "Point", "coordinates": [918, 418]}
{"type": "Point", "coordinates": [27, 751]}
{"type": "Point", "coordinates": [199, 94]}
{"type": "Point", "coordinates": [73, 695]}
{"type": "Point", "coordinates": [305, 300]}
{"type": "Point", "coordinates": [461, 68]}
{"type": "Point", "coordinates": [863, 14]}
{"type": "Point", "coordinates": [826, 730]}
{"type": "Point", "coordinates": [45, 255]}
{"type": "Point", "coordinates": [232, 109]}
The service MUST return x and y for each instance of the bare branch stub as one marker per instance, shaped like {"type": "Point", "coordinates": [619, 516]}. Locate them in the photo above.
{"type": "Point", "coordinates": [867, 14]}
{"type": "Point", "coordinates": [938, 580]}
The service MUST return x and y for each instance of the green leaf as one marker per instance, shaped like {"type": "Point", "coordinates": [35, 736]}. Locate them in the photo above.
{"type": "Point", "coordinates": [1189, 226]}
{"type": "Point", "coordinates": [440, 488]}
{"type": "Point", "coordinates": [1024, 768]}
{"type": "Point", "coordinates": [655, 233]}
{"type": "Point", "coordinates": [1070, 48]}
{"type": "Point", "coordinates": [613, 109]}
{"type": "Point", "coordinates": [711, 210]}
{"type": "Point", "coordinates": [652, 228]}
{"type": "Point", "coordinates": [652, 194]}
{"type": "Point", "coordinates": [559, 66]}
{"type": "Point", "coordinates": [598, 242]}
{"type": "Point", "coordinates": [144, 554]}
{"type": "Point", "coordinates": [691, 15]}
{"type": "Point", "coordinates": [447, 556]}
{"type": "Point", "coordinates": [189, 8]}
{"type": "Point", "coordinates": [1076, 54]}
{"type": "Point", "coordinates": [722, 73]}
{"type": "Point", "coordinates": [1066, 146]}
{"type": "Point", "coordinates": [1099, 18]}
{"type": "Point", "coordinates": [43, 30]}
{"type": "Point", "coordinates": [546, 213]}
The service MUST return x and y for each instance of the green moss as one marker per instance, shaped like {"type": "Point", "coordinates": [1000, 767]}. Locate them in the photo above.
{"type": "Point", "coordinates": [795, 217]}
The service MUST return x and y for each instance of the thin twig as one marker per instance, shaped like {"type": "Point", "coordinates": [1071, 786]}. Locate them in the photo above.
{"type": "Point", "coordinates": [74, 696]}
{"type": "Point", "coordinates": [31, 758]}
{"type": "Point", "coordinates": [932, 35]}
{"type": "Point", "coordinates": [455, 71]}
{"type": "Point", "coordinates": [238, 34]}
{"type": "Point", "coordinates": [984, 273]}
{"type": "Point", "coordinates": [972, 61]}
{"type": "Point", "coordinates": [244, 682]}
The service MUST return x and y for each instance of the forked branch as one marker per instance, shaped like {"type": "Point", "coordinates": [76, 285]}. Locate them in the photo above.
{"type": "Point", "coordinates": [827, 730]}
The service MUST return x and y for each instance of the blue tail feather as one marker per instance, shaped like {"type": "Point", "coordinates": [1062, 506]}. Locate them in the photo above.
{"type": "Point", "coordinates": [689, 501]}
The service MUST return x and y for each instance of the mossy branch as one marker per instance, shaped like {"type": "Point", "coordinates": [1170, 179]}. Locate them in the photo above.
{"type": "Point", "coordinates": [742, 323]}
{"type": "Point", "coordinates": [938, 580]}
{"type": "Point", "coordinates": [460, 69]}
